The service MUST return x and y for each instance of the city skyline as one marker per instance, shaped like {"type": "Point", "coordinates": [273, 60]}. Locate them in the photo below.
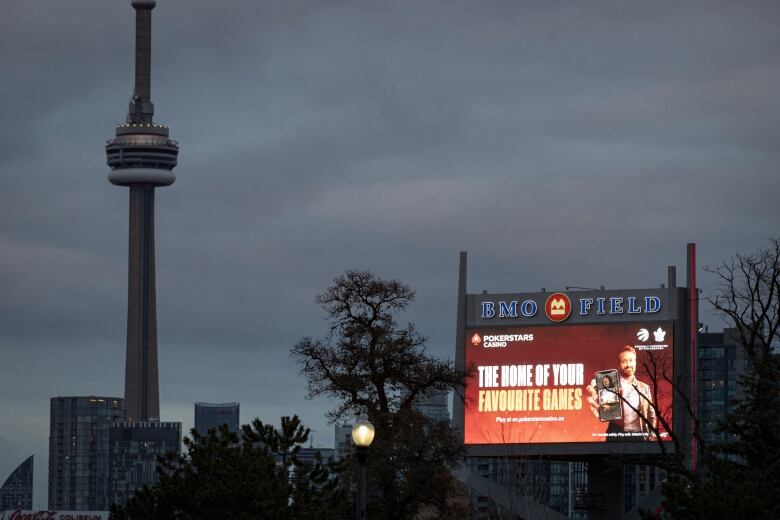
{"type": "Point", "coordinates": [558, 145]}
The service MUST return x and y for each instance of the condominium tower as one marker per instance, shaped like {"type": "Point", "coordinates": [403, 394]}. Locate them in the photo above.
{"type": "Point", "coordinates": [17, 490]}
{"type": "Point", "coordinates": [212, 415]}
{"type": "Point", "coordinates": [78, 451]}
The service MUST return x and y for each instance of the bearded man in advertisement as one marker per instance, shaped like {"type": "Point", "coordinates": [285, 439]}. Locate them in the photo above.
{"type": "Point", "coordinates": [638, 413]}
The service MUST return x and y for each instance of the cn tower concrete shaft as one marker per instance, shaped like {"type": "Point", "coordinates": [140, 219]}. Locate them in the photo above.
{"type": "Point", "coordinates": [142, 394]}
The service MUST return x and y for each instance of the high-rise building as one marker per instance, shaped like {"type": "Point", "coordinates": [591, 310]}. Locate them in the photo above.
{"type": "Point", "coordinates": [133, 451]}
{"type": "Point", "coordinates": [639, 481]}
{"type": "Point", "coordinates": [309, 455]}
{"type": "Point", "coordinates": [720, 362]}
{"type": "Point", "coordinates": [343, 443]}
{"type": "Point", "coordinates": [500, 485]}
{"type": "Point", "coordinates": [78, 451]}
{"type": "Point", "coordinates": [142, 157]}
{"type": "Point", "coordinates": [213, 415]}
{"type": "Point", "coordinates": [16, 492]}
{"type": "Point", "coordinates": [432, 404]}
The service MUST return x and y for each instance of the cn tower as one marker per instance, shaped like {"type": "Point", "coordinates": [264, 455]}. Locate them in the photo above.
{"type": "Point", "coordinates": [142, 158]}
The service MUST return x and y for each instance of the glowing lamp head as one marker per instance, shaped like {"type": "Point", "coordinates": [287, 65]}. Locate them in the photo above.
{"type": "Point", "coordinates": [362, 432]}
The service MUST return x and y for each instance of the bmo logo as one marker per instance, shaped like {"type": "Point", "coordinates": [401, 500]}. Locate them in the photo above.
{"type": "Point", "coordinates": [557, 307]}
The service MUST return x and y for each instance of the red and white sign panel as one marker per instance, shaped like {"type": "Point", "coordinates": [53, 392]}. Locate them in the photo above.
{"type": "Point", "coordinates": [538, 384]}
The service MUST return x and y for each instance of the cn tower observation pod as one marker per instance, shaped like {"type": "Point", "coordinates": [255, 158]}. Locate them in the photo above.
{"type": "Point", "coordinates": [141, 154]}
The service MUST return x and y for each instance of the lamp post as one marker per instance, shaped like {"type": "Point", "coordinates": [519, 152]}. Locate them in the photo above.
{"type": "Point", "coordinates": [362, 435]}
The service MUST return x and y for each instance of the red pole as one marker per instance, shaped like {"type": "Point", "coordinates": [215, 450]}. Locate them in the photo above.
{"type": "Point", "coordinates": [693, 316]}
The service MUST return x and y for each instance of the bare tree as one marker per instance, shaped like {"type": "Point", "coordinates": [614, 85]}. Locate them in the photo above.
{"type": "Point", "coordinates": [738, 478]}
{"type": "Point", "coordinates": [749, 297]}
{"type": "Point", "coordinates": [367, 362]}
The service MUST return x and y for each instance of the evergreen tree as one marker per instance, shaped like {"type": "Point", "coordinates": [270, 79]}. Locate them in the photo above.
{"type": "Point", "coordinates": [220, 477]}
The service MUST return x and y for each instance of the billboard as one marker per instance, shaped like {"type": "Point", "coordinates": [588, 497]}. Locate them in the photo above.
{"type": "Point", "coordinates": [577, 383]}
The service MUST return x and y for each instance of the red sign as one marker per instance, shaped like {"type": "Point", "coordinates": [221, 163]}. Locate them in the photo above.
{"type": "Point", "coordinates": [538, 384]}
{"type": "Point", "coordinates": [37, 515]}
{"type": "Point", "coordinates": [557, 307]}
{"type": "Point", "coordinates": [53, 515]}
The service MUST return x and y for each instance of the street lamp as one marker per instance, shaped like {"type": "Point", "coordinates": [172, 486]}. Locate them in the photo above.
{"type": "Point", "coordinates": [362, 435]}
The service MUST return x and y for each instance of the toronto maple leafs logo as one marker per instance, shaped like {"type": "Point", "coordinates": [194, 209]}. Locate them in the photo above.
{"type": "Point", "coordinates": [659, 334]}
{"type": "Point", "coordinates": [643, 334]}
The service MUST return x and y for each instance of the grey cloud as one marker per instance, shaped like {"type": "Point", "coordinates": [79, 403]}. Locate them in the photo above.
{"type": "Point", "coordinates": [560, 144]}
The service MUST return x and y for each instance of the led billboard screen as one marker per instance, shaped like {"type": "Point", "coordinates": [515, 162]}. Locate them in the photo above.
{"type": "Point", "coordinates": [569, 383]}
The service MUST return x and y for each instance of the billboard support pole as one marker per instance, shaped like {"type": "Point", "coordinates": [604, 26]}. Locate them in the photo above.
{"type": "Point", "coordinates": [606, 488]}
{"type": "Point", "coordinates": [460, 343]}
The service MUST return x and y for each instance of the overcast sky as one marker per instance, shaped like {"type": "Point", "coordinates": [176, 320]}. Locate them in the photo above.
{"type": "Point", "coordinates": [559, 143]}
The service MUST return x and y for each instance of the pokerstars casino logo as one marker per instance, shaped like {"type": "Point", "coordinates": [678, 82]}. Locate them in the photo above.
{"type": "Point", "coordinates": [557, 307]}
{"type": "Point", "coordinates": [499, 340]}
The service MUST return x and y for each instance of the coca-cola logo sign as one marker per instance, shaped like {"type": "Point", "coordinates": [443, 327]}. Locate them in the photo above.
{"type": "Point", "coordinates": [37, 515]}
{"type": "Point", "coordinates": [53, 515]}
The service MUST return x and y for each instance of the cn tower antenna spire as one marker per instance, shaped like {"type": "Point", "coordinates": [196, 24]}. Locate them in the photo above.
{"type": "Point", "coordinates": [141, 107]}
{"type": "Point", "coordinates": [142, 157]}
